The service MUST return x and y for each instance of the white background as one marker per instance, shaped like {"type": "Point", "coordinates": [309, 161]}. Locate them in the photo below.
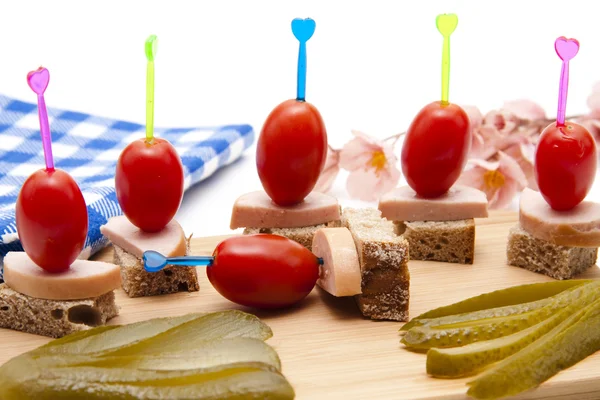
{"type": "Point", "coordinates": [371, 66]}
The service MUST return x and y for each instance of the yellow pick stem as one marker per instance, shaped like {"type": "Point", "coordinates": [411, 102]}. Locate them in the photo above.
{"type": "Point", "coordinates": [445, 69]}
{"type": "Point", "coordinates": [150, 102]}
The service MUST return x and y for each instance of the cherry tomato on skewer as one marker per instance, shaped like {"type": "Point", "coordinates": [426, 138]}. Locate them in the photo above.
{"type": "Point", "coordinates": [565, 164]}
{"type": "Point", "coordinates": [52, 219]}
{"type": "Point", "coordinates": [291, 151]}
{"type": "Point", "coordinates": [149, 183]}
{"type": "Point", "coordinates": [263, 271]}
{"type": "Point", "coordinates": [435, 149]}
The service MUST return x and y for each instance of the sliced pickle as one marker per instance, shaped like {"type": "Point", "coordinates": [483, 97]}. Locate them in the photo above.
{"type": "Point", "coordinates": [568, 343]}
{"type": "Point", "coordinates": [211, 354]}
{"type": "Point", "coordinates": [101, 339]}
{"type": "Point", "coordinates": [232, 381]}
{"type": "Point", "coordinates": [499, 298]}
{"type": "Point", "coordinates": [462, 333]}
{"type": "Point", "coordinates": [194, 333]}
{"type": "Point", "coordinates": [466, 360]}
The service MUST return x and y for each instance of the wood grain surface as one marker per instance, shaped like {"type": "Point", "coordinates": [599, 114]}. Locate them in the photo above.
{"type": "Point", "coordinates": [329, 351]}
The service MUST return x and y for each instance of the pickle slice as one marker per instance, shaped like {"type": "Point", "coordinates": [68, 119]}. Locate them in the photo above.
{"type": "Point", "coordinates": [211, 354]}
{"type": "Point", "coordinates": [499, 298]}
{"type": "Point", "coordinates": [466, 360]}
{"type": "Point", "coordinates": [194, 333]}
{"type": "Point", "coordinates": [568, 343]}
{"type": "Point", "coordinates": [462, 333]}
{"type": "Point", "coordinates": [106, 338]}
{"type": "Point", "coordinates": [232, 381]}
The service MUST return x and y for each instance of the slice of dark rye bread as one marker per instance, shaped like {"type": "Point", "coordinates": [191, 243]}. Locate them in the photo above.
{"type": "Point", "coordinates": [303, 235]}
{"type": "Point", "coordinates": [53, 318]}
{"type": "Point", "coordinates": [383, 257]}
{"type": "Point", "coordinates": [137, 282]}
{"type": "Point", "coordinates": [446, 241]}
{"type": "Point", "coordinates": [558, 262]}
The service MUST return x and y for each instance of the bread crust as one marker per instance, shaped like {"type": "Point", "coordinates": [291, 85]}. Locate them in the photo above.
{"type": "Point", "coordinates": [53, 318]}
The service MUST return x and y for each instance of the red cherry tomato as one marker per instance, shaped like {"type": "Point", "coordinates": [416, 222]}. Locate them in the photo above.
{"type": "Point", "coordinates": [565, 164]}
{"type": "Point", "coordinates": [149, 183]}
{"type": "Point", "coordinates": [435, 148]}
{"type": "Point", "coordinates": [291, 151]}
{"type": "Point", "coordinates": [263, 271]}
{"type": "Point", "coordinates": [52, 219]}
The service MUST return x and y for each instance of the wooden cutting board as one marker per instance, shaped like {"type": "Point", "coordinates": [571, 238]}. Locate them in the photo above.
{"type": "Point", "coordinates": [329, 351]}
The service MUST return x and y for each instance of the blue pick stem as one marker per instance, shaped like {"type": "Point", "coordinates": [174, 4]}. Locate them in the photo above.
{"type": "Point", "coordinates": [155, 262]}
{"type": "Point", "coordinates": [301, 90]}
{"type": "Point", "coordinates": [303, 30]}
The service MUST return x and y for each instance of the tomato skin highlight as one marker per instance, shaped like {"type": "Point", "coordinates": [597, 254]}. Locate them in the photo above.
{"type": "Point", "coordinates": [436, 148]}
{"type": "Point", "coordinates": [291, 151]}
{"type": "Point", "coordinates": [263, 271]}
{"type": "Point", "coordinates": [566, 160]}
{"type": "Point", "coordinates": [149, 183]}
{"type": "Point", "coordinates": [52, 219]}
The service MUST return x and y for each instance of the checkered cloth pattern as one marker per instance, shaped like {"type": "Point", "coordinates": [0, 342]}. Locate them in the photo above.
{"type": "Point", "coordinates": [87, 147]}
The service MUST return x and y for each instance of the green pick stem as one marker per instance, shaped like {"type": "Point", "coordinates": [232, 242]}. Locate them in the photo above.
{"type": "Point", "coordinates": [150, 102]}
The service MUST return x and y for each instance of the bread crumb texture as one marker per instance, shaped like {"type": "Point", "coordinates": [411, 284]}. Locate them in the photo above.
{"type": "Point", "coordinates": [558, 262]}
{"type": "Point", "coordinates": [445, 241]}
{"type": "Point", "coordinates": [53, 318]}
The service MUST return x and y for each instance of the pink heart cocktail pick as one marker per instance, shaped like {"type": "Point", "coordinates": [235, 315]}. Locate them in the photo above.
{"type": "Point", "coordinates": [38, 82]}
{"type": "Point", "coordinates": [566, 50]}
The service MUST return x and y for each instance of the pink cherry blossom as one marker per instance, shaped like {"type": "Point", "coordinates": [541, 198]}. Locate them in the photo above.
{"type": "Point", "coordinates": [329, 172]}
{"type": "Point", "coordinates": [503, 121]}
{"type": "Point", "coordinates": [500, 180]}
{"type": "Point", "coordinates": [523, 154]}
{"type": "Point", "coordinates": [372, 166]}
{"type": "Point", "coordinates": [475, 116]}
{"type": "Point", "coordinates": [525, 109]}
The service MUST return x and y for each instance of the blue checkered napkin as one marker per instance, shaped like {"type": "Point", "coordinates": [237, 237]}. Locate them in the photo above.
{"type": "Point", "coordinates": [88, 148]}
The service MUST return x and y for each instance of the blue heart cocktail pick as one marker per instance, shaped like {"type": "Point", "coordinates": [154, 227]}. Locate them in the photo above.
{"type": "Point", "coordinates": [154, 261]}
{"type": "Point", "coordinates": [303, 30]}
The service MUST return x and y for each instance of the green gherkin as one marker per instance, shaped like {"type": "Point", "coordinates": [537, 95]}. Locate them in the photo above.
{"type": "Point", "coordinates": [460, 333]}
{"type": "Point", "coordinates": [568, 343]}
{"type": "Point", "coordinates": [499, 298]}
{"type": "Point", "coordinates": [466, 360]}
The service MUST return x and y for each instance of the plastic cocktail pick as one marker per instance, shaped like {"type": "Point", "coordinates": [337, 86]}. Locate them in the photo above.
{"type": "Point", "coordinates": [446, 24]}
{"type": "Point", "coordinates": [38, 82]}
{"type": "Point", "coordinates": [151, 44]}
{"type": "Point", "coordinates": [154, 261]}
{"type": "Point", "coordinates": [303, 30]}
{"type": "Point", "coordinates": [566, 50]}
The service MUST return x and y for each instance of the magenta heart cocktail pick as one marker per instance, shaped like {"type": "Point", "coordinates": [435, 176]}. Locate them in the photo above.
{"type": "Point", "coordinates": [38, 82]}
{"type": "Point", "coordinates": [566, 50]}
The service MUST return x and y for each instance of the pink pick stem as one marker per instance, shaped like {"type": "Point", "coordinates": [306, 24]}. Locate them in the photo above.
{"type": "Point", "coordinates": [45, 131]}
{"type": "Point", "coordinates": [562, 94]}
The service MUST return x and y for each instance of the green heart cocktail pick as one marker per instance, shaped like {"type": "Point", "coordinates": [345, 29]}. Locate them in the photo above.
{"type": "Point", "coordinates": [446, 24]}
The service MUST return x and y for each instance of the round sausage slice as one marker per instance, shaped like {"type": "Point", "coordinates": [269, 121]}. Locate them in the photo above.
{"type": "Point", "coordinates": [340, 272]}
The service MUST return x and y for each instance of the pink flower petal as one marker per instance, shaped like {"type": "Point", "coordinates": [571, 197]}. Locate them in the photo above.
{"type": "Point", "coordinates": [472, 177]}
{"type": "Point", "coordinates": [330, 171]}
{"type": "Point", "coordinates": [356, 154]}
{"type": "Point", "coordinates": [511, 170]}
{"type": "Point", "coordinates": [366, 185]}
{"type": "Point", "coordinates": [525, 109]}
{"type": "Point", "coordinates": [475, 116]}
{"type": "Point", "coordinates": [523, 155]}
{"type": "Point", "coordinates": [503, 121]}
{"type": "Point", "coordinates": [504, 196]}
{"type": "Point", "coordinates": [593, 100]}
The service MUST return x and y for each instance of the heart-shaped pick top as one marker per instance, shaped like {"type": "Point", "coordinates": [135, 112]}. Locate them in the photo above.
{"type": "Point", "coordinates": [154, 261]}
{"type": "Point", "coordinates": [566, 48]}
{"type": "Point", "coordinates": [151, 45]}
{"type": "Point", "coordinates": [38, 80]}
{"type": "Point", "coordinates": [446, 23]}
{"type": "Point", "coordinates": [303, 28]}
